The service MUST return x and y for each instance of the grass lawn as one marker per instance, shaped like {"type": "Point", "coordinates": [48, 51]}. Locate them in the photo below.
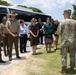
{"type": "Point", "coordinates": [41, 64]}
{"type": "Point", "coordinates": [47, 63]}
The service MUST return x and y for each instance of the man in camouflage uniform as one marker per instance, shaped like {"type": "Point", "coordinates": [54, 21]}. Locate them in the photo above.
{"type": "Point", "coordinates": [4, 35]}
{"type": "Point", "coordinates": [67, 30]}
{"type": "Point", "coordinates": [13, 27]}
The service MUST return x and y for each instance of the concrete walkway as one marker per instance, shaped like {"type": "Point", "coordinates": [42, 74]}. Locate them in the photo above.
{"type": "Point", "coordinates": [24, 56]}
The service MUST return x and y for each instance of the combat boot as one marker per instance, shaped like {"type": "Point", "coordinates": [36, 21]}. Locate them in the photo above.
{"type": "Point", "coordinates": [63, 70]}
{"type": "Point", "coordinates": [72, 70]}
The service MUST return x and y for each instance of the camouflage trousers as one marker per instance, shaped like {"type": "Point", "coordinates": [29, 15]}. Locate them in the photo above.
{"type": "Point", "coordinates": [64, 52]}
{"type": "Point", "coordinates": [0, 48]}
{"type": "Point", "coordinates": [75, 57]}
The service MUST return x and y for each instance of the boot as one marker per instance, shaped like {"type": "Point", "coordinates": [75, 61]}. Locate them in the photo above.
{"type": "Point", "coordinates": [63, 70]}
{"type": "Point", "coordinates": [72, 70]}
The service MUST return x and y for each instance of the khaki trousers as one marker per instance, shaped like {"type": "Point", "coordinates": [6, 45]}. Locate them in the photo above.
{"type": "Point", "coordinates": [5, 43]}
{"type": "Point", "coordinates": [12, 40]}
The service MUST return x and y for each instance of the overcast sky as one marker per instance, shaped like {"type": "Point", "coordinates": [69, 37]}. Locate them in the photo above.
{"type": "Point", "coordinates": [53, 8]}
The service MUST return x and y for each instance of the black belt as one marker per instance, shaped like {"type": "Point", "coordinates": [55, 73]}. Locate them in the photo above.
{"type": "Point", "coordinates": [23, 34]}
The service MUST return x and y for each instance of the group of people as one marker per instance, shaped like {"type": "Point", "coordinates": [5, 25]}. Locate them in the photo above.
{"type": "Point", "coordinates": [37, 30]}
{"type": "Point", "coordinates": [13, 29]}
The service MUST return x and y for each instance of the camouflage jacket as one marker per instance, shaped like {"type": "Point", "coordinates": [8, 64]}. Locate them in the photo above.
{"type": "Point", "coordinates": [67, 30]}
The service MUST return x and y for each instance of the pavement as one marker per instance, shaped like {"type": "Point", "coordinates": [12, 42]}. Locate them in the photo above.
{"type": "Point", "coordinates": [24, 56]}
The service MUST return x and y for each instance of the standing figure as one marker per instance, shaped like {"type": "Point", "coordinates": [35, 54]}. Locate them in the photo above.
{"type": "Point", "coordinates": [23, 36]}
{"type": "Point", "coordinates": [48, 29]}
{"type": "Point", "coordinates": [40, 24]}
{"type": "Point", "coordinates": [67, 30]}
{"type": "Point", "coordinates": [13, 27]}
{"type": "Point", "coordinates": [1, 61]}
{"type": "Point", "coordinates": [4, 36]}
{"type": "Point", "coordinates": [34, 32]}
{"type": "Point", "coordinates": [56, 23]}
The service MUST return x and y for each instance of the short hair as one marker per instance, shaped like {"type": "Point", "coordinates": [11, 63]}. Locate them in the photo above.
{"type": "Point", "coordinates": [21, 21]}
{"type": "Point", "coordinates": [67, 12]}
{"type": "Point", "coordinates": [34, 19]}
{"type": "Point", "coordinates": [48, 18]}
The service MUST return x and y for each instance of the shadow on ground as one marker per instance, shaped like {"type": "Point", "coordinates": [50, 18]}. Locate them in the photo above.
{"type": "Point", "coordinates": [39, 53]}
{"type": "Point", "coordinates": [68, 71]}
{"type": "Point", "coordinates": [7, 63]}
{"type": "Point", "coordinates": [22, 58]}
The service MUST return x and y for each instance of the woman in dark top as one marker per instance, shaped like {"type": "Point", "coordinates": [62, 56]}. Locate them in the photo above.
{"type": "Point", "coordinates": [48, 29]}
{"type": "Point", "coordinates": [34, 32]}
{"type": "Point", "coordinates": [56, 36]}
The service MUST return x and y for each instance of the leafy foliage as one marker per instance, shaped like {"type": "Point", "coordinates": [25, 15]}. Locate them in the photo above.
{"type": "Point", "coordinates": [8, 4]}
{"type": "Point", "coordinates": [74, 13]}
{"type": "Point", "coordinates": [4, 3]}
{"type": "Point", "coordinates": [35, 9]}
{"type": "Point", "coordinates": [23, 6]}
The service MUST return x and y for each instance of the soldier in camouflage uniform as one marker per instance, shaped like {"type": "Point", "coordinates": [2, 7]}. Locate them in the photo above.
{"type": "Point", "coordinates": [67, 30]}
{"type": "Point", "coordinates": [13, 27]}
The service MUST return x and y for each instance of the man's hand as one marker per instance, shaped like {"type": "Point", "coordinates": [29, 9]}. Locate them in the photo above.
{"type": "Point", "coordinates": [3, 35]}
{"type": "Point", "coordinates": [14, 35]}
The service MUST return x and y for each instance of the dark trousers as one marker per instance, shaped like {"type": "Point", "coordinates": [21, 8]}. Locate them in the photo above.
{"type": "Point", "coordinates": [5, 44]}
{"type": "Point", "coordinates": [12, 40]}
{"type": "Point", "coordinates": [23, 42]}
{"type": "Point", "coordinates": [41, 37]}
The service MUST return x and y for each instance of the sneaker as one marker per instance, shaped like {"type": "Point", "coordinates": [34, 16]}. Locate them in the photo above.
{"type": "Point", "coordinates": [33, 53]}
{"type": "Point", "coordinates": [55, 49]}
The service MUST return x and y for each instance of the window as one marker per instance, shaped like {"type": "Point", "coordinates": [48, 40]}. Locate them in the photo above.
{"type": "Point", "coordinates": [3, 10]}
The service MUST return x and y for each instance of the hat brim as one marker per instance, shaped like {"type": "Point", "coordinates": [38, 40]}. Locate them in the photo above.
{"type": "Point", "coordinates": [13, 14]}
{"type": "Point", "coordinates": [34, 20]}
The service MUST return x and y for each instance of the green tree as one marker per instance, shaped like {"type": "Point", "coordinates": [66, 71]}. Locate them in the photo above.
{"type": "Point", "coordinates": [35, 9]}
{"type": "Point", "coordinates": [23, 6]}
{"type": "Point", "coordinates": [74, 12]}
{"type": "Point", "coordinates": [8, 4]}
{"type": "Point", "coordinates": [4, 3]}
